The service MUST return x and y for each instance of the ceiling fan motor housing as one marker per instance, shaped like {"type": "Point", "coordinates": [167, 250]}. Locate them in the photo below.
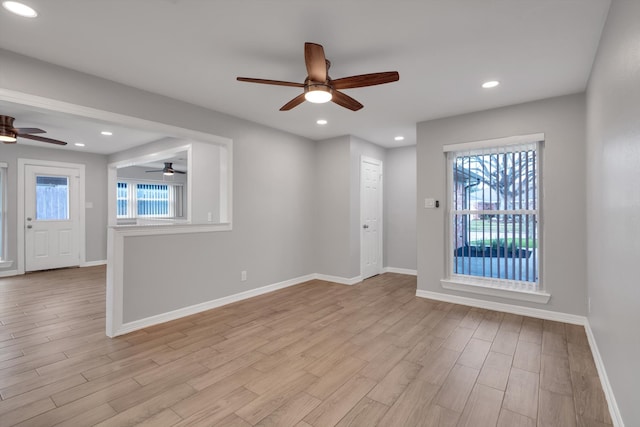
{"type": "Point", "coordinates": [7, 134]}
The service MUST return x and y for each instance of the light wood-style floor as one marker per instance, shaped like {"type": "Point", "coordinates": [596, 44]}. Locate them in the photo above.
{"type": "Point", "coordinates": [317, 354]}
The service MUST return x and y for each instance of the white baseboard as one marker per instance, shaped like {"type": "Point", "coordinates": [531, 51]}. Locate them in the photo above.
{"type": "Point", "coordinates": [614, 411]}
{"type": "Point", "coordinates": [94, 263]}
{"type": "Point", "coordinates": [125, 328]}
{"type": "Point", "coordinates": [400, 271]}
{"type": "Point", "coordinates": [336, 279]}
{"type": "Point", "coordinates": [507, 308]}
{"type": "Point", "coordinates": [8, 273]}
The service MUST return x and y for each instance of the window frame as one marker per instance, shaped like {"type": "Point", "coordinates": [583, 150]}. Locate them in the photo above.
{"type": "Point", "coordinates": [132, 200]}
{"type": "Point", "coordinates": [506, 288]}
{"type": "Point", "coordinates": [3, 215]}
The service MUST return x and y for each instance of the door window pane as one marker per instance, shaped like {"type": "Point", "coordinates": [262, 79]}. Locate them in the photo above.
{"type": "Point", "coordinates": [52, 198]}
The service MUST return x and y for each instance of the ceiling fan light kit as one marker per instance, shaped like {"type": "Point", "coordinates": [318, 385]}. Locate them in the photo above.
{"type": "Point", "coordinates": [320, 88]}
{"type": "Point", "coordinates": [7, 138]}
{"type": "Point", "coordinates": [318, 93]}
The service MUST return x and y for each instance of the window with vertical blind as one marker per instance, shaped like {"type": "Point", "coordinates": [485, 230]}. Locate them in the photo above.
{"type": "Point", "coordinates": [149, 200]}
{"type": "Point", "coordinates": [494, 213]}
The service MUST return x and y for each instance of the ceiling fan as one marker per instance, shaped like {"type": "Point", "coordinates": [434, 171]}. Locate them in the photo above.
{"type": "Point", "coordinates": [319, 87]}
{"type": "Point", "coordinates": [167, 169]}
{"type": "Point", "coordinates": [9, 134]}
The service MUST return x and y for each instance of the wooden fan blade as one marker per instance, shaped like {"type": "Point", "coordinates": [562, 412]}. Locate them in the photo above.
{"type": "Point", "coordinates": [316, 62]}
{"type": "Point", "coordinates": [21, 131]}
{"type": "Point", "coordinates": [364, 80]}
{"type": "Point", "coordinates": [346, 101]}
{"type": "Point", "coordinates": [43, 139]}
{"type": "Point", "coordinates": [293, 103]}
{"type": "Point", "coordinates": [269, 82]}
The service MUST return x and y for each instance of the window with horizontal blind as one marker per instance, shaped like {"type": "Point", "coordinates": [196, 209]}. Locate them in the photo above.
{"type": "Point", "coordinates": [149, 200]}
{"type": "Point", "coordinates": [494, 213]}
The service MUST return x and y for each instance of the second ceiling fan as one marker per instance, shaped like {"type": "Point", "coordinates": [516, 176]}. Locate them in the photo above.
{"type": "Point", "coordinates": [167, 169]}
{"type": "Point", "coordinates": [319, 87]}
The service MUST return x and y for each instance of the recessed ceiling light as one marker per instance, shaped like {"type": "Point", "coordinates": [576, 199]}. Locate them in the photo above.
{"type": "Point", "coordinates": [321, 122]}
{"type": "Point", "coordinates": [106, 133]}
{"type": "Point", "coordinates": [399, 138]}
{"type": "Point", "coordinates": [19, 9]}
{"type": "Point", "coordinates": [79, 144]}
{"type": "Point", "coordinates": [490, 84]}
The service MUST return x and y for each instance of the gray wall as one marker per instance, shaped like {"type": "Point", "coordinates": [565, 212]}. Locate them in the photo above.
{"type": "Point", "coordinates": [272, 236]}
{"type": "Point", "coordinates": [400, 208]}
{"type": "Point", "coordinates": [332, 208]}
{"type": "Point", "coordinates": [95, 192]}
{"type": "Point", "coordinates": [337, 210]}
{"type": "Point", "coordinates": [613, 203]}
{"type": "Point", "coordinates": [562, 121]}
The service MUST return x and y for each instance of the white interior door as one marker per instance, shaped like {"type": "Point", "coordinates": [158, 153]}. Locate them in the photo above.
{"type": "Point", "coordinates": [371, 217]}
{"type": "Point", "coordinates": [52, 223]}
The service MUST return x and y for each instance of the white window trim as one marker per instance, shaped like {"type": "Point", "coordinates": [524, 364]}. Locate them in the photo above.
{"type": "Point", "coordinates": [4, 263]}
{"type": "Point", "coordinates": [484, 286]}
{"type": "Point", "coordinates": [476, 287]}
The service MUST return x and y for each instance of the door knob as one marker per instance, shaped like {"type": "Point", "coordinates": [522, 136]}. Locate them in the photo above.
{"type": "Point", "coordinates": [365, 226]}
{"type": "Point", "coordinates": [29, 226]}
{"type": "Point", "coordinates": [28, 218]}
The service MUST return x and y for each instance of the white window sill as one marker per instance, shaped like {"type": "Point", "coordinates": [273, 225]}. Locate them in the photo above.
{"type": "Point", "coordinates": [5, 264]}
{"type": "Point", "coordinates": [539, 297]}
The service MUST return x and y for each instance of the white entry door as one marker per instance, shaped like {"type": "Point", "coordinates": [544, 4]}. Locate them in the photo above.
{"type": "Point", "coordinates": [52, 223]}
{"type": "Point", "coordinates": [371, 217]}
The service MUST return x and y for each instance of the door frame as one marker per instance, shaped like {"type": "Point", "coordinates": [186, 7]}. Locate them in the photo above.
{"type": "Point", "coordinates": [380, 213]}
{"type": "Point", "coordinates": [20, 197]}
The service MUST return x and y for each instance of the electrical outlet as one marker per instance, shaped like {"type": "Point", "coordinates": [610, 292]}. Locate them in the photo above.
{"type": "Point", "coordinates": [243, 275]}
{"type": "Point", "coordinates": [209, 217]}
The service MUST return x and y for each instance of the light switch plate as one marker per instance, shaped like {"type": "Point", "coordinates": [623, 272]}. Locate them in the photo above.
{"type": "Point", "coordinates": [429, 203]}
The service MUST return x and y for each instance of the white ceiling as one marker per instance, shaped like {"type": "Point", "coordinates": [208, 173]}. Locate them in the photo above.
{"type": "Point", "coordinates": [193, 50]}
{"type": "Point", "coordinates": [73, 129]}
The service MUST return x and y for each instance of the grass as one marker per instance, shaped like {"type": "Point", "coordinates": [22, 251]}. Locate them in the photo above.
{"type": "Point", "coordinates": [517, 242]}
